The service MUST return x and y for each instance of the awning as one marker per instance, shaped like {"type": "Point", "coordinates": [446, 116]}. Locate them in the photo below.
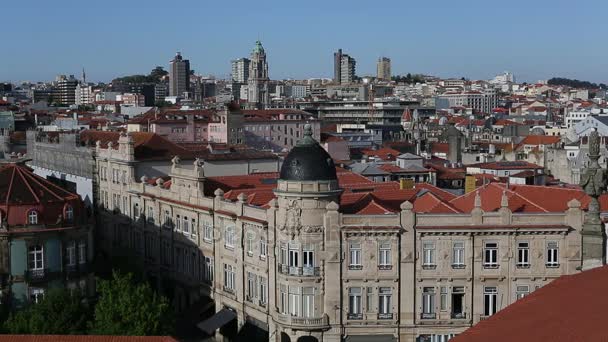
{"type": "Point", "coordinates": [371, 338]}
{"type": "Point", "coordinates": [216, 321]}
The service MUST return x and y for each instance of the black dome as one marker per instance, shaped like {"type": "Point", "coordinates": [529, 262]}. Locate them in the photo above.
{"type": "Point", "coordinates": [308, 161]}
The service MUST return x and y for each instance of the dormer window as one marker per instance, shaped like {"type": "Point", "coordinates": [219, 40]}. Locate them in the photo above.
{"type": "Point", "coordinates": [32, 217]}
{"type": "Point", "coordinates": [69, 213]}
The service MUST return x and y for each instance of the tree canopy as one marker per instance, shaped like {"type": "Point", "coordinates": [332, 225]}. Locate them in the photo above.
{"type": "Point", "coordinates": [127, 308]}
{"type": "Point", "coordinates": [575, 83]}
{"type": "Point", "coordinates": [154, 77]}
{"type": "Point", "coordinates": [60, 312]}
{"type": "Point", "coordinates": [409, 78]}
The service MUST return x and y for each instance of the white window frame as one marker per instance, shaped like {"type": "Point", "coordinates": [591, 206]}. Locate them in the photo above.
{"type": "Point", "coordinates": [229, 277]}
{"type": "Point", "coordinates": [385, 295]}
{"type": "Point", "coordinates": [263, 248]}
{"type": "Point", "coordinates": [428, 254]}
{"type": "Point", "coordinates": [70, 252]}
{"type": "Point", "coordinates": [490, 254]}
{"type": "Point", "coordinates": [521, 291]}
{"type": "Point", "coordinates": [249, 243]}
{"type": "Point", "coordinates": [355, 254]}
{"type": "Point", "coordinates": [36, 294]}
{"type": "Point", "coordinates": [36, 257]}
{"type": "Point", "coordinates": [428, 300]}
{"type": "Point", "coordinates": [32, 217]}
{"type": "Point", "coordinates": [523, 254]}
{"type": "Point", "coordinates": [490, 300]}
{"type": "Point", "coordinates": [69, 213]}
{"type": "Point", "coordinates": [207, 232]}
{"type": "Point", "coordinates": [458, 254]}
{"type": "Point", "coordinates": [308, 256]}
{"type": "Point", "coordinates": [82, 252]}
{"type": "Point", "coordinates": [229, 237]}
{"type": "Point", "coordinates": [384, 254]}
{"type": "Point", "coordinates": [263, 291]}
{"type": "Point", "coordinates": [354, 301]}
{"type": "Point", "coordinates": [552, 251]}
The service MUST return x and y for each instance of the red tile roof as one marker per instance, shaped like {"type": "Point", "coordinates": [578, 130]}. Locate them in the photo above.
{"type": "Point", "coordinates": [540, 140]}
{"type": "Point", "coordinates": [571, 308]}
{"type": "Point", "coordinates": [384, 153]}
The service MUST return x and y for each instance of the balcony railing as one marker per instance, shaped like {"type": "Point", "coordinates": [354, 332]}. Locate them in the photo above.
{"type": "Point", "coordinates": [490, 265]}
{"type": "Point", "coordinates": [354, 316]}
{"type": "Point", "coordinates": [385, 267]}
{"type": "Point", "coordinates": [300, 271]}
{"type": "Point", "coordinates": [429, 266]}
{"type": "Point", "coordinates": [458, 266]}
{"type": "Point", "coordinates": [428, 315]}
{"type": "Point", "coordinates": [523, 265]}
{"type": "Point", "coordinates": [552, 265]}
{"type": "Point", "coordinates": [355, 267]}
{"type": "Point", "coordinates": [306, 322]}
{"type": "Point", "coordinates": [459, 315]}
{"type": "Point", "coordinates": [228, 289]}
{"type": "Point", "coordinates": [385, 316]}
{"type": "Point", "coordinates": [36, 275]}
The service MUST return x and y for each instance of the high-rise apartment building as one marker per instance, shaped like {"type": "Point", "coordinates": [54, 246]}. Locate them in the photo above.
{"type": "Point", "coordinates": [344, 68]}
{"type": "Point", "coordinates": [240, 70]}
{"type": "Point", "coordinates": [384, 69]}
{"type": "Point", "coordinates": [179, 76]}
{"type": "Point", "coordinates": [64, 90]}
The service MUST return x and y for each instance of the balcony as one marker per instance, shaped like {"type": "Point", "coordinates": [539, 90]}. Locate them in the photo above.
{"type": "Point", "coordinates": [310, 323]}
{"type": "Point", "coordinates": [300, 271]}
{"type": "Point", "coordinates": [490, 266]}
{"type": "Point", "coordinates": [523, 265]}
{"type": "Point", "coordinates": [552, 265]}
{"type": "Point", "coordinates": [428, 315]}
{"type": "Point", "coordinates": [354, 316]}
{"type": "Point", "coordinates": [32, 276]}
{"type": "Point", "coordinates": [385, 267]}
{"type": "Point", "coordinates": [385, 316]}
{"type": "Point", "coordinates": [459, 315]}
{"type": "Point", "coordinates": [228, 289]}
{"type": "Point", "coordinates": [429, 266]}
{"type": "Point", "coordinates": [459, 266]}
{"type": "Point", "coordinates": [355, 267]}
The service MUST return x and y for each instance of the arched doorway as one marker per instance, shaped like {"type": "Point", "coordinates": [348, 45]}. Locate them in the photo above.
{"type": "Point", "coordinates": [307, 339]}
{"type": "Point", "coordinates": [285, 337]}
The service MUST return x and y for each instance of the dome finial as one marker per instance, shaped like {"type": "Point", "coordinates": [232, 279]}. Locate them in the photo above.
{"type": "Point", "coordinates": [307, 139]}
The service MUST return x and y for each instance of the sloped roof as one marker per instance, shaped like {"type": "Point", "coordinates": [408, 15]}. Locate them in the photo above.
{"type": "Point", "coordinates": [19, 185]}
{"type": "Point", "coordinates": [85, 338]}
{"type": "Point", "coordinates": [571, 308]}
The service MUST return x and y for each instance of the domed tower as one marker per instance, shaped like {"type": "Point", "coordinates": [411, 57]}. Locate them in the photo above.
{"type": "Point", "coordinates": [307, 185]}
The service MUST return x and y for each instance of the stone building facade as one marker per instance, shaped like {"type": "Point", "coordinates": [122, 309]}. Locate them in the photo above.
{"type": "Point", "coordinates": [303, 268]}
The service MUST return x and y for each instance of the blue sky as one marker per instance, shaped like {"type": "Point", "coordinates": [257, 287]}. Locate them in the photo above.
{"type": "Point", "coordinates": [535, 39]}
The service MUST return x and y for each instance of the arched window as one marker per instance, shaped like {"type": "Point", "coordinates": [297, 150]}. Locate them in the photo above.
{"type": "Point", "coordinates": [69, 212]}
{"type": "Point", "coordinates": [32, 217]}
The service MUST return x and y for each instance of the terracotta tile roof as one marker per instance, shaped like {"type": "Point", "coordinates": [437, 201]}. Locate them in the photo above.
{"type": "Point", "coordinates": [571, 308]}
{"type": "Point", "coordinates": [19, 186]}
{"type": "Point", "coordinates": [384, 153]}
{"type": "Point", "coordinates": [440, 148]}
{"type": "Point", "coordinates": [507, 165]}
{"type": "Point", "coordinates": [540, 140]}
{"type": "Point", "coordinates": [84, 338]}
{"type": "Point", "coordinates": [440, 193]}
{"type": "Point", "coordinates": [491, 195]}
{"type": "Point", "coordinates": [430, 203]}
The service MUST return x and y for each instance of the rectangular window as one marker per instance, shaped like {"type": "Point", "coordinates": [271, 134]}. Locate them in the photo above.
{"type": "Point", "coordinates": [294, 301]}
{"type": "Point", "coordinates": [209, 269]}
{"type": "Point", "coordinates": [490, 255]}
{"type": "Point", "coordinates": [294, 254]}
{"type": "Point", "coordinates": [428, 250]}
{"type": "Point", "coordinates": [283, 254]}
{"type": "Point", "coordinates": [193, 228]}
{"type": "Point", "coordinates": [252, 286]}
{"type": "Point", "coordinates": [489, 300]}
{"type": "Point", "coordinates": [458, 255]}
{"type": "Point", "coordinates": [428, 302]}
{"type": "Point", "coordinates": [186, 226]}
{"type": "Point", "coordinates": [263, 249]}
{"type": "Point", "coordinates": [308, 302]}
{"type": "Point", "coordinates": [384, 254]}
{"type": "Point", "coordinates": [207, 231]}
{"type": "Point", "coordinates": [552, 254]}
{"type": "Point", "coordinates": [229, 278]}
{"type": "Point", "coordinates": [82, 252]}
{"type": "Point", "coordinates": [354, 301]}
{"type": "Point", "coordinates": [308, 256]}
{"type": "Point", "coordinates": [167, 219]}
{"type": "Point", "coordinates": [263, 291]}
{"type": "Point", "coordinates": [249, 244]}
{"type": "Point", "coordinates": [355, 255]}
{"type": "Point", "coordinates": [523, 254]}
{"type": "Point", "coordinates": [229, 237]}
{"type": "Point", "coordinates": [36, 295]}
{"type": "Point", "coordinates": [443, 300]}
{"type": "Point", "coordinates": [284, 303]}
{"type": "Point", "coordinates": [458, 302]}
{"type": "Point", "coordinates": [151, 215]}
{"type": "Point", "coordinates": [369, 301]}
{"type": "Point", "coordinates": [178, 223]}
{"type": "Point", "coordinates": [522, 291]}
{"type": "Point", "coordinates": [35, 254]}
{"type": "Point", "coordinates": [70, 253]}
{"type": "Point", "coordinates": [384, 301]}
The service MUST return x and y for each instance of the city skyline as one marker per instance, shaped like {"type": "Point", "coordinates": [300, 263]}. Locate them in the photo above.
{"type": "Point", "coordinates": [534, 41]}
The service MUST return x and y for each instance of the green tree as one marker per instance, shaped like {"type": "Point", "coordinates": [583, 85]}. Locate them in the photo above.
{"type": "Point", "coordinates": [59, 313]}
{"type": "Point", "coordinates": [128, 308]}
{"type": "Point", "coordinates": [157, 73]}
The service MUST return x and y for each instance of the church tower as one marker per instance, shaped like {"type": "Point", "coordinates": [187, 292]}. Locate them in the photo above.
{"type": "Point", "coordinates": [257, 86]}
